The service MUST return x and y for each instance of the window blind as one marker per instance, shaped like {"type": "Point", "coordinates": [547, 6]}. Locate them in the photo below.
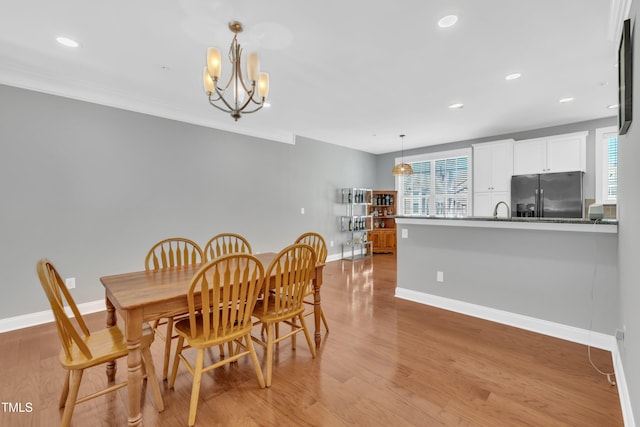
{"type": "Point", "coordinates": [612, 168]}
{"type": "Point", "coordinates": [438, 186]}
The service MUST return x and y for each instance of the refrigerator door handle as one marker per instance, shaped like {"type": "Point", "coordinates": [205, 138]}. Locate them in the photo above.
{"type": "Point", "coordinates": [536, 200]}
{"type": "Point", "coordinates": [541, 202]}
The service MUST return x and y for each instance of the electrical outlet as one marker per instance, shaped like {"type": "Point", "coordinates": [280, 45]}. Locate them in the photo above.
{"type": "Point", "coordinates": [405, 233]}
{"type": "Point", "coordinates": [301, 211]}
{"type": "Point", "coordinates": [331, 243]}
{"type": "Point", "coordinates": [440, 276]}
{"type": "Point", "coordinates": [619, 335]}
{"type": "Point", "coordinates": [70, 282]}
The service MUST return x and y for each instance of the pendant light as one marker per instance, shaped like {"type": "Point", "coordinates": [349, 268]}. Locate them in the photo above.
{"type": "Point", "coordinates": [402, 168]}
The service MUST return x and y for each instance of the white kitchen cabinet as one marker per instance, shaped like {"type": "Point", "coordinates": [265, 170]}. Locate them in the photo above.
{"type": "Point", "coordinates": [492, 170]}
{"type": "Point", "coordinates": [561, 153]}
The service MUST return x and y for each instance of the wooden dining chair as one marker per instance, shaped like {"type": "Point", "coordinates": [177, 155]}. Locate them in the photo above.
{"type": "Point", "coordinates": [226, 243]}
{"type": "Point", "coordinates": [317, 242]}
{"type": "Point", "coordinates": [83, 349]}
{"type": "Point", "coordinates": [292, 270]}
{"type": "Point", "coordinates": [172, 252]}
{"type": "Point", "coordinates": [227, 289]}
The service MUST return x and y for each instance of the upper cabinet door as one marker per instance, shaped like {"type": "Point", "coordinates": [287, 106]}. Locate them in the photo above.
{"type": "Point", "coordinates": [566, 154]}
{"type": "Point", "coordinates": [562, 153]}
{"type": "Point", "coordinates": [529, 156]}
{"type": "Point", "coordinates": [482, 168]}
{"type": "Point", "coordinates": [502, 166]}
{"type": "Point", "coordinates": [492, 166]}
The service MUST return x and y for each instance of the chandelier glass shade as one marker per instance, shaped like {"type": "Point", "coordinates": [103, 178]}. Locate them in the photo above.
{"type": "Point", "coordinates": [236, 96]}
{"type": "Point", "coordinates": [402, 168]}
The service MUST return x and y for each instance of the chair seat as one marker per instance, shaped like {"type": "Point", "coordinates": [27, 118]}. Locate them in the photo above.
{"type": "Point", "coordinates": [183, 328]}
{"type": "Point", "coordinates": [105, 345]}
{"type": "Point", "coordinates": [270, 315]}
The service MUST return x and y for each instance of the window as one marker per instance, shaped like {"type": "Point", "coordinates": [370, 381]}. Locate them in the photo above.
{"type": "Point", "coordinates": [439, 185]}
{"type": "Point", "coordinates": [607, 165]}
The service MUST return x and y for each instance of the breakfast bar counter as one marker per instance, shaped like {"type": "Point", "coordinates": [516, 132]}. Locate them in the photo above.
{"type": "Point", "coordinates": [555, 276]}
{"type": "Point", "coordinates": [549, 224]}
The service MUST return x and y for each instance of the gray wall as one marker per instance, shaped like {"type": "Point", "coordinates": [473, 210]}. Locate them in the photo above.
{"type": "Point", "coordinates": [629, 240]}
{"type": "Point", "coordinates": [93, 187]}
{"type": "Point", "coordinates": [562, 277]}
{"type": "Point", "coordinates": [385, 162]}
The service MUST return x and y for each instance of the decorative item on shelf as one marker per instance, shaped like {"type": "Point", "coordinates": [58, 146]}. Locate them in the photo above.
{"type": "Point", "coordinates": [357, 221]}
{"type": "Point", "coordinates": [402, 168]}
{"type": "Point", "coordinates": [242, 94]}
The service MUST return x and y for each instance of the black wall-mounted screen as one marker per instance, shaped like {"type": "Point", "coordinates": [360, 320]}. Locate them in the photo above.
{"type": "Point", "coordinates": [625, 79]}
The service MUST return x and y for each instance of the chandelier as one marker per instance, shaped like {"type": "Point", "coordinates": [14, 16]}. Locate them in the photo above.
{"type": "Point", "coordinates": [402, 168]}
{"type": "Point", "coordinates": [236, 96]}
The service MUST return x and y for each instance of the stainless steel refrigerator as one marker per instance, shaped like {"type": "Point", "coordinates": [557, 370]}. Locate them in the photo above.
{"type": "Point", "coordinates": [549, 195]}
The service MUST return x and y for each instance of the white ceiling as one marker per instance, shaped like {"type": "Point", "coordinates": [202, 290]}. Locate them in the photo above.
{"type": "Point", "coordinates": [355, 73]}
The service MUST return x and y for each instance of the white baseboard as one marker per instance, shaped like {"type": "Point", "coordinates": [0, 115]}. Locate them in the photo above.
{"type": "Point", "coordinates": [33, 319]}
{"type": "Point", "coordinates": [333, 257]}
{"type": "Point", "coordinates": [623, 391]}
{"type": "Point", "coordinates": [557, 330]}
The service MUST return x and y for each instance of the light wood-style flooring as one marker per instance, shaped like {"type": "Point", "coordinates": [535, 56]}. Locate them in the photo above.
{"type": "Point", "coordinates": [386, 362]}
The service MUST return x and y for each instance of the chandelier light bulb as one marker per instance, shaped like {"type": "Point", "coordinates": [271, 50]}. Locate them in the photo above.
{"type": "Point", "coordinates": [208, 81]}
{"type": "Point", "coordinates": [253, 66]}
{"type": "Point", "coordinates": [214, 64]}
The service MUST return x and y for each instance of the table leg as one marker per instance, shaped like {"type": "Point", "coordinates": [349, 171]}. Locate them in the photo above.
{"type": "Point", "coordinates": [133, 328]}
{"type": "Point", "coordinates": [317, 308]}
{"type": "Point", "coordinates": [111, 321]}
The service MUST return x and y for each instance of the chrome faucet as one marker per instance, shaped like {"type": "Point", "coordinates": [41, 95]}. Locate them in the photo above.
{"type": "Point", "coordinates": [495, 210]}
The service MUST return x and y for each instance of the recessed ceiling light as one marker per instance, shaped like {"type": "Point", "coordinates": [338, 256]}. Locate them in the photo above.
{"type": "Point", "coordinates": [456, 106]}
{"type": "Point", "coordinates": [447, 21]}
{"type": "Point", "coordinates": [613, 106]}
{"type": "Point", "coordinates": [65, 41]}
{"type": "Point", "coordinates": [513, 76]}
{"type": "Point", "coordinates": [565, 100]}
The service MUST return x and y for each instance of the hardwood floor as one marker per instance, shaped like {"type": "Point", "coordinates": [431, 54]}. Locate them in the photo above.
{"type": "Point", "coordinates": [386, 362]}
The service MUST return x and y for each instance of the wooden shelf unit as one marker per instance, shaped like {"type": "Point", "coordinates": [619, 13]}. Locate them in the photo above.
{"type": "Point", "coordinates": [383, 209]}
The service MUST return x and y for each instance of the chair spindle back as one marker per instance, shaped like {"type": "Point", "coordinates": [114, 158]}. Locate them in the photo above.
{"type": "Point", "coordinates": [228, 288]}
{"type": "Point", "coordinates": [58, 294]}
{"type": "Point", "coordinates": [224, 244]}
{"type": "Point", "coordinates": [317, 242]}
{"type": "Point", "coordinates": [293, 270]}
{"type": "Point", "coordinates": [173, 252]}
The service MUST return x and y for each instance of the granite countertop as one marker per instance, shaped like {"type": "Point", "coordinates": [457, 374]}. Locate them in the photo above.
{"type": "Point", "coordinates": [519, 223]}
{"type": "Point", "coordinates": [518, 219]}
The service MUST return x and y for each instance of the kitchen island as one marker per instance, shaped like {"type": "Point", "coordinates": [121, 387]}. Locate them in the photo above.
{"type": "Point", "coordinates": [554, 276]}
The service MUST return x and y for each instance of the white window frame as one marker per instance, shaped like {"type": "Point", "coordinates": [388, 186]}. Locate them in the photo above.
{"type": "Point", "coordinates": [437, 155]}
{"type": "Point", "coordinates": [602, 165]}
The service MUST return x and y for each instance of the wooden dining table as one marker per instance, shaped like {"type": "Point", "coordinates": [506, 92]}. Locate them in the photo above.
{"type": "Point", "coordinates": [145, 296]}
